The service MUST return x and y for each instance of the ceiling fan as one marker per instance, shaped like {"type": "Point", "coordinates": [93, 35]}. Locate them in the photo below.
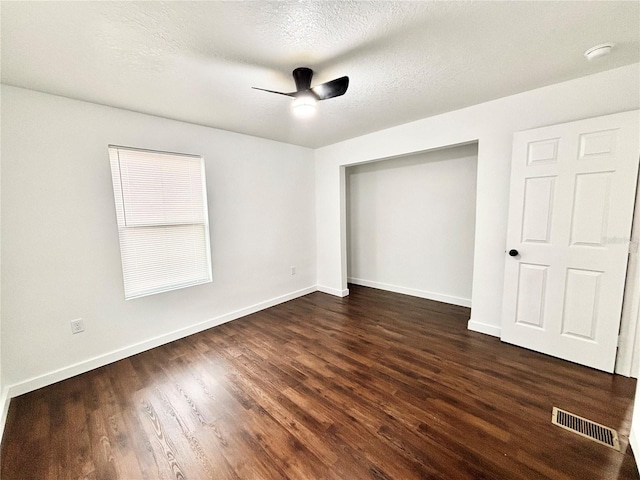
{"type": "Point", "coordinates": [307, 97]}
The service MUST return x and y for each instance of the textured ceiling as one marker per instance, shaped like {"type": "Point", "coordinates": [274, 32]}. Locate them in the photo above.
{"type": "Point", "coordinates": [196, 61]}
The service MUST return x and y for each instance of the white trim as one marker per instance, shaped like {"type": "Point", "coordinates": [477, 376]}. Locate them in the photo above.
{"type": "Point", "coordinates": [4, 409]}
{"type": "Point", "coordinates": [438, 297]}
{"type": "Point", "coordinates": [485, 328]}
{"type": "Point", "coordinates": [333, 291]}
{"type": "Point", "coordinates": [635, 444]}
{"type": "Point", "coordinates": [107, 358]}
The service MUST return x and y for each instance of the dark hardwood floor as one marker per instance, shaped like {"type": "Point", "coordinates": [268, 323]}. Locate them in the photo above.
{"type": "Point", "coordinates": [376, 385]}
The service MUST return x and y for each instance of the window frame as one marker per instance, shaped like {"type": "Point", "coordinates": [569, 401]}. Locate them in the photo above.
{"type": "Point", "coordinates": [121, 219]}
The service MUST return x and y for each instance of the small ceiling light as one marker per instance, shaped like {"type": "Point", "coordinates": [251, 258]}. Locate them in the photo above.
{"type": "Point", "coordinates": [304, 106]}
{"type": "Point", "coordinates": [598, 51]}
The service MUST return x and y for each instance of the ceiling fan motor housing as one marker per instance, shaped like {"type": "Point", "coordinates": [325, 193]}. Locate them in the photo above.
{"type": "Point", "coordinates": [302, 76]}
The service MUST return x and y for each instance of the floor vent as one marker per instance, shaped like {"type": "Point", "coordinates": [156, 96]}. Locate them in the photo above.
{"type": "Point", "coordinates": [586, 428]}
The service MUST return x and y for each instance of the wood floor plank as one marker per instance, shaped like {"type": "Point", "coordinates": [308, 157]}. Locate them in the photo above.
{"type": "Point", "coordinates": [126, 457]}
{"type": "Point", "coordinates": [374, 385]}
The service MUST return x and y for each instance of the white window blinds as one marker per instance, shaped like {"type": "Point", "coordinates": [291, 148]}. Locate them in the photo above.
{"type": "Point", "coordinates": [161, 208]}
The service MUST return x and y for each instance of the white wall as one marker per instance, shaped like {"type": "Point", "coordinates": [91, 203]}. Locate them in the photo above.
{"type": "Point", "coordinates": [60, 251]}
{"type": "Point", "coordinates": [411, 224]}
{"type": "Point", "coordinates": [491, 124]}
{"type": "Point", "coordinates": [4, 401]}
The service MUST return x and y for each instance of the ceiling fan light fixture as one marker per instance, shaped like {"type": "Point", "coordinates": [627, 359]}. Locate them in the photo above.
{"type": "Point", "coordinates": [304, 106]}
{"type": "Point", "coordinates": [306, 97]}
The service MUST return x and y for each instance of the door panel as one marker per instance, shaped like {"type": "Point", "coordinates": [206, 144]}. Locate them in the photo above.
{"type": "Point", "coordinates": [538, 206]}
{"type": "Point", "coordinates": [598, 144]}
{"type": "Point", "coordinates": [543, 151]}
{"type": "Point", "coordinates": [581, 295]}
{"type": "Point", "coordinates": [571, 204]}
{"type": "Point", "coordinates": [532, 288]}
{"type": "Point", "coordinates": [590, 209]}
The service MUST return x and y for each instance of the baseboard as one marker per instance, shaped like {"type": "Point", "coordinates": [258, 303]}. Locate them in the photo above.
{"type": "Point", "coordinates": [105, 359]}
{"type": "Point", "coordinates": [4, 409]}
{"type": "Point", "coordinates": [438, 297]}
{"type": "Point", "coordinates": [634, 441]}
{"type": "Point", "coordinates": [333, 291]}
{"type": "Point", "coordinates": [485, 328]}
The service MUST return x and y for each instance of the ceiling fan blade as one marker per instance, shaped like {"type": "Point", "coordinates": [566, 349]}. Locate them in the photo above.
{"type": "Point", "coordinates": [293, 94]}
{"type": "Point", "coordinates": [331, 89]}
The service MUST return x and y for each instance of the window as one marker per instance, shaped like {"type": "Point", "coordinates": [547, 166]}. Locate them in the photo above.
{"type": "Point", "coordinates": [161, 207]}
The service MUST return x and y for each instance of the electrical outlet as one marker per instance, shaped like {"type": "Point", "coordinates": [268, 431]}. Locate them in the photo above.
{"type": "Point", "coordinates": [293, 270]}
{"type": "Point", "coordinates": [77, 325]}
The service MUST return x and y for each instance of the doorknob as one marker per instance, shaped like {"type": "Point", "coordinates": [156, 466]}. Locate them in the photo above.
{"type": "Point", "coordinates": [513, 253]}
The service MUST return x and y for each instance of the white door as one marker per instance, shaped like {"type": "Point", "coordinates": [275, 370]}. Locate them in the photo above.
{"type": "Point", "coordinates": [571, 204]}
